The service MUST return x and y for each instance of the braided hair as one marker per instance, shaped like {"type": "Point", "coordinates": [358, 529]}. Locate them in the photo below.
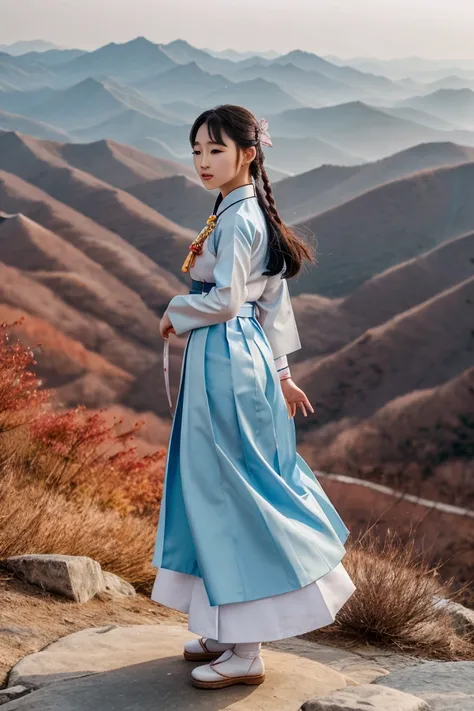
{"type": "Point", "coordinates": [285, 250]}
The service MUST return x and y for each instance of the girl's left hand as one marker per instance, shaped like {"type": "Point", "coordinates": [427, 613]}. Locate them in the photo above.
{"type": "Point", "coordinates": [295, 397]}
{"type": "Point", "coordinates": [166, 327]}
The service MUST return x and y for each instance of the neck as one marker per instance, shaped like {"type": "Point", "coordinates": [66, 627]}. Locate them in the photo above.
{"type": "Point", "coordinates": [235, 183]}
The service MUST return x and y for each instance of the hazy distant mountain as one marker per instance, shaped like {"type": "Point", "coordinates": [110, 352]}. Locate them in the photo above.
{"type": "Point", "coordinates": [182, 110]}
{"type": "Point", "coordinates": [236, 56]}
{"type": "Point", "coordinates": [347, 75]}
{"type": "Point", "coordinates": [451, 82]}
{"type": "Point", "coordinates": [187, 81]}
{"type": "Point", "coordinates": [360, 129]}
{"type": "Point", "coordinates": [131, 126]}
{"type": "Point", "coordinates": [86, 104]}
{"type": "Point", "coordinates": [417, 116]}
{"type": "Point", "coordinates": [454, 105]}
{"type": "Point", "coordinates": [50, 58]}
{"type": "Point", "coordinates": [23, 102]}
{"type": "Point", "coordinates": [134, 60]}
{"type": "Point", "coordinates": [15, 122]}
{"type": "Point", "coordinates": [181, 52]}
{"type": "Point", "coordinates": [406, 66]}
{"type": "Point", "coordinates": [258, 95]}
{"type": "Point", "coordinates": [16, 77]}
{"type": "Point", "coordinates": [23, 47]}
{"type": "Point", "coordinates": [308, 86]}
{"type": "Point", "coordinates": [435, 75]}
{"type": "Point", "coordinates": [297, 155]}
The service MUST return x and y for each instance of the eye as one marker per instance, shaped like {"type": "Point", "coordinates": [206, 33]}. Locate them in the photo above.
{"type": "Point", "coordinates": [194, 153]}
{"type": "Point", "coordinates": [216, 150]}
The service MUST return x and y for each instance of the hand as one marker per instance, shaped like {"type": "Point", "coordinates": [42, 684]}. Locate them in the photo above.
{"type": "Point", "coordinates": [294, 397]}
{"type": "Point", "coordinates": [166, 327]}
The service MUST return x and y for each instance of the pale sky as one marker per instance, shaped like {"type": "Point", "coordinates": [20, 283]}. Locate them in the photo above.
{"type": "Point", "coordinates": [435, 29]}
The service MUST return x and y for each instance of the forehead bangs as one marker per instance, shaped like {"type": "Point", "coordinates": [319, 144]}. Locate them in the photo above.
{"type": "Point", "coordinates": [214, 128]}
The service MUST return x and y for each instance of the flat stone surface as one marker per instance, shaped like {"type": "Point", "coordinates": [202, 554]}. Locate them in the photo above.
{"type": "Point", "coordinates": [367, 698]}
{"type": "Point", "coordinates": [355, 667]}
{"type": "Point", "coordinates": [142, 668]}
{"type": "Point", "coordinates": [445, 685]}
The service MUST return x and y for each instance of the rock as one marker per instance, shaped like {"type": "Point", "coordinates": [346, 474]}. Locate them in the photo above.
{"type": "Point", "coordinates": [13, 692]}
{"type": "Point", "coordinates": [366, 697]}
{"type": "Point", "coordinates": [443, 684]}
{"type": "Point", "coordinates": [142, 667]}
{"type": "Point", "coordinates": [115, 587]}
{"type": "Point", "coordinates": [462, 617]}
{"type": "Point", "coordinates": [75, 577]}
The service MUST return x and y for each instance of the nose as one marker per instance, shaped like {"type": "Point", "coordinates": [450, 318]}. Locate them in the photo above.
{"type": "Point", "coordinates": [204, 159]}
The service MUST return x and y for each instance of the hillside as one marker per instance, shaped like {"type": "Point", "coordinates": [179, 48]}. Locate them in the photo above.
{"type": "Point", "coordinates": [385, 226]}
{"type": "Point", "coordinates": [419, 443]}
{"type": "Point", "coordinates": [114, 209]}
{"type": "Point", "coordinates": [153, 284]}
{"type": "Point", "coordinates": [329, 324]}
{"type": "Point", "coordinates": [303, 196]}
{"type": "Point", "coordinates": [419, 348]}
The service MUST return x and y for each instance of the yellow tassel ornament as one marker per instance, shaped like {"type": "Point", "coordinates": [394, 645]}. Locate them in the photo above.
{"type": "Point", "coordinates": [196, 246]}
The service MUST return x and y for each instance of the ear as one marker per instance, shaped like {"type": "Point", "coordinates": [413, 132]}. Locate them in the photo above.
{"type": "Point", "coordinates": [249, 154]}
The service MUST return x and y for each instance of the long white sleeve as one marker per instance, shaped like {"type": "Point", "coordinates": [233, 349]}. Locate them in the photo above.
{"type": "Point", "coordinates": [281, 364]}
{"type": "Point", "coordinates": [277, 318]}
{"type": "Point", "coordinates": [231, 271]}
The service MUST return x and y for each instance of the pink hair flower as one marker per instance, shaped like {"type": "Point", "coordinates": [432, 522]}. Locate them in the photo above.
{"type": "Point", "coordinates": [263, 135]}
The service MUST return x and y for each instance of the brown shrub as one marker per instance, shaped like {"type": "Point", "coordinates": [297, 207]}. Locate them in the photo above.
{"type": "Point", "coordinates": [393, 603]}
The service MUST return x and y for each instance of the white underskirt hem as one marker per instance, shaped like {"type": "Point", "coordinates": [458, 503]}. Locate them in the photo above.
{"type": "Point", "coordinates": [264, 620]}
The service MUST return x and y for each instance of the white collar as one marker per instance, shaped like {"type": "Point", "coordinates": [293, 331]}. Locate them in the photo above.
{"type": "Point", "coordinates": [244, 191]}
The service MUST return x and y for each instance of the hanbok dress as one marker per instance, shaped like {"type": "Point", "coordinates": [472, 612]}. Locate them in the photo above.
{"type": "Point", "coordinates": [248, 543]}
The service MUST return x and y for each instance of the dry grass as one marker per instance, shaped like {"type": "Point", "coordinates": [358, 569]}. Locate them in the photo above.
{"type": "Point", "coordinates": [392, 606]}
{"type": "Point", "coordinates": [37, 520]}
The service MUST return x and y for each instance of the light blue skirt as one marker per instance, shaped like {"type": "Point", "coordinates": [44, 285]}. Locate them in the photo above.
{"type": "Point", "coordinates": [241, 508]}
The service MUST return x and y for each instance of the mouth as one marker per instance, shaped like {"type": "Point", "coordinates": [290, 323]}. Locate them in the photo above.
{"type": "Point", "coordinates": [206, 176]}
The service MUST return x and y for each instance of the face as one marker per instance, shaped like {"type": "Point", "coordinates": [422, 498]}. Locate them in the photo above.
{"type": "Point", "coordinates": [227, 167]}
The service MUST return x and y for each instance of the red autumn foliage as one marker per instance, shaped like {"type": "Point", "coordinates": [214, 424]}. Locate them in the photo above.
{"type": "Point", "coordinates": [76, 451]}
{"type": "Point", "coordinates": [20, 395]}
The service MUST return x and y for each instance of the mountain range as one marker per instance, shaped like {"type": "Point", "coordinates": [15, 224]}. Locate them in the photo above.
{"type": "Point", "coordinates": [372, 163]}
{"type": "Point", "coordinates": [146, 95]}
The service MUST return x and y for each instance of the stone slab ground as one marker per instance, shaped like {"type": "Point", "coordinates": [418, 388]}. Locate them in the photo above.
{"type": "Point", "coordinates": [141, 667]}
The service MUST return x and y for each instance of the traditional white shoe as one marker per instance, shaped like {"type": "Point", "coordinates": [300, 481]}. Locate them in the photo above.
{"type": "Point", "coordinates": [229, 669]}
{"type": "Point", "coordinates": [204, 648]}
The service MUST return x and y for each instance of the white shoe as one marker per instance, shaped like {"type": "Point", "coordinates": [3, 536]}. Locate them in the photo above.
{"type": "Point", "coordinates": [229, 669]}
{"type": "Point", "coordinates": [204, 648]}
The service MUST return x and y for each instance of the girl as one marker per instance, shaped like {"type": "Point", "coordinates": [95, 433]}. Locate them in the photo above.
{"type": "Point", "coordinates": [248, 544]}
